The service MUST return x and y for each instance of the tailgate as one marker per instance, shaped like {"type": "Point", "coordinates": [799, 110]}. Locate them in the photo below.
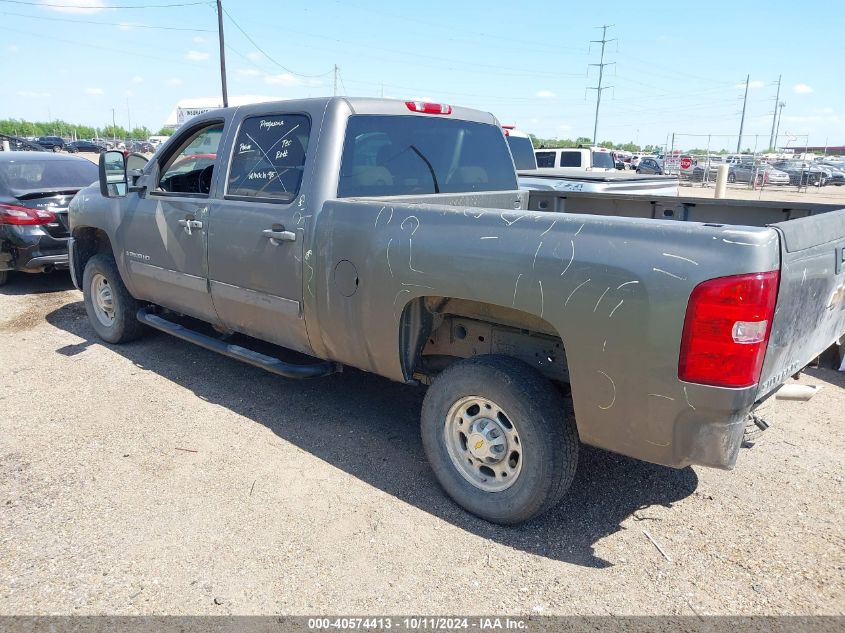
{"type": "Point", "coordinates": [810, 311]}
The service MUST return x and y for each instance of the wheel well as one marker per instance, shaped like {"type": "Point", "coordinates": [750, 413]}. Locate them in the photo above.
{"type": "Point", "coordinates": [88, 242]}
{"type": "Point", "coordinates": [437, 331]}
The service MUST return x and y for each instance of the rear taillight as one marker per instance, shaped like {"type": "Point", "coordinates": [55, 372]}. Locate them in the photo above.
{"type": "Point", "coordinates": [727, 328]}
{"type": "Point", "coordinates": [13, 214]}
{"type": "Point", "coordinates": [429, 108]}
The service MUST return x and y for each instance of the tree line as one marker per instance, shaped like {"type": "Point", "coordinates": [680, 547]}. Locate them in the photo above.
{"type": "Point", "coordinates": [24, 128]}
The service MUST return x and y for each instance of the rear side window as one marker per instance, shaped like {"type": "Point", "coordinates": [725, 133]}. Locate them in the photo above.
{"type": "Point", "coordinates": [545, 159]}
{"type": "Point", "coordinates": [570, 159]}
{"type": "Point", "coordinates": [522, 151]}
{"type": "Point", "coordinates": [603, 159]}
{"type": "Point", "coordinates": [269, 157]}
{"type": "Point", "coordinates": [407, 155]}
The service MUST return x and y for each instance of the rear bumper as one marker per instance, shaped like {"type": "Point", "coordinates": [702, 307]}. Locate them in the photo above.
{"type": "Point", "coordinates": [30, 249]}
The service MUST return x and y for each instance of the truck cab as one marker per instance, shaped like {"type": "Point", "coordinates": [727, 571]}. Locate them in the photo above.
{"type": "Point", "coordinates": [598, 159]}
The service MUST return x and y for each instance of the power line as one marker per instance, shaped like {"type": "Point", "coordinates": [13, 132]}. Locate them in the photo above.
{"type": "Point", "coordinates": [128, 26]}
{"type": "Point", "coordinates": [102, 6]}
{"type": "Point", "coordinates": [263, 52]}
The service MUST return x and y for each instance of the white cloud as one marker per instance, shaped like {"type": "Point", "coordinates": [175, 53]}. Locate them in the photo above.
{"type": "Point", "coordinates": [129, 93]}
{"type": "Point", "coordinates": [248, 72]}
{"type": "Point", "coordinates": [12, 48]}
{"type": "Point", "coordinates": [545, 94]}
{"type": "Point", "coordinates": [198, 39]}
{"type": "Point", "coordinates": [137, 79]}
{"type": "Point", "coordinates": [196, 56]}
{"type": "Point", "coordinates": [29, 93]}
{"type": "Point", "coordinates": [174, 81]}
{"type": "Point", "coordinates": [75, 6]}
{"type": "Point", "coordinates": [753, 85]}
{"type": "Point", "coordinates": [802, 89]}
{"type": "Point", "coordinates": [254, 55]}
{"type": "Point", "coordinates": [285, 79]}
{"type": "Point", "coordinates": [94, 91]}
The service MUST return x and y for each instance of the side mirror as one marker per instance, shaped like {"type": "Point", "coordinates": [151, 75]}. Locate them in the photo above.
{"type": "Point", "coordinates": [113, 180]}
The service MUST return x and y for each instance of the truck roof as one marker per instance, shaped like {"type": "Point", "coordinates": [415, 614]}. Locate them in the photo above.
{"type": "Point", "coordinates": [357, 105]}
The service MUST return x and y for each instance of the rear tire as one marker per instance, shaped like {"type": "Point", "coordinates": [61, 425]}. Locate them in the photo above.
{"type": "Point", "coordinates": [731, 178]}
{"type": "Point", "coordinates": [111, 309]}
{"type": "Point", "coordinates": [480, 401]}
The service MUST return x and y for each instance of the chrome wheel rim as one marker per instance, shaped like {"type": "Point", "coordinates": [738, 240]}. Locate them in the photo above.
{"type": "Point", "coordinates": [103, 299]}
{"type": "Point", "coordinates": [483, 443]}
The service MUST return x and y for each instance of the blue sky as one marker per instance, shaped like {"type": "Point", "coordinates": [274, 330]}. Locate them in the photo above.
{"type": "Point", "coordinates": [680, 66]}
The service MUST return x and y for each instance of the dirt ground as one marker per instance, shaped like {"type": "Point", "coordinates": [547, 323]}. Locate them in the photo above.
{"type": "Point", "coordinates": [157, 477]}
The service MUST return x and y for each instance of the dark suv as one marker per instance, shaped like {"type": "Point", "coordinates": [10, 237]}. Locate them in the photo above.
{"type": "Point", "coordinates": [55, 143]}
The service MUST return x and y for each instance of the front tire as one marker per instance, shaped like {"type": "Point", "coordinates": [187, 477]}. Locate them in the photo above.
{"type": "Point", "coordinates": [732, 178]}
{"type": "Point", "coordinates": [111, 309]}
{"type": "Point", "coordinates": [498, 438]}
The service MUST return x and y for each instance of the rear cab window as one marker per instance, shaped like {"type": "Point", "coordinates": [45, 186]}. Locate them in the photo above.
{"type": "Point", "coordinates": [409, 155]}
{"type": "Point", "coordinates": [522, 150]}
{"type": "Point", "coordinates": [268, 158]}
{"type": "Point", "coordinates": [603, 160]}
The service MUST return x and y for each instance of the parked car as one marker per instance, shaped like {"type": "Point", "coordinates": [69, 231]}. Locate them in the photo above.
{"type": "Point", "coordinates": [837, 172]}
{"type": "Point", "coordinates": [83, 146]}
{"type": "Point", "coordinates": [760, 174]}
{"type": "Point", "coordinates": [18, 144]}
{"type": "Point", "coordinates": [802, 173]}
{"type": "Point", "coordinates": [53, 143]}
{"type": "Point", "coordinates": [647, 165]}
{"type": "Point", "coordinates": [35, 189]}
{"type": "Point", "coordinates": [392, 237]}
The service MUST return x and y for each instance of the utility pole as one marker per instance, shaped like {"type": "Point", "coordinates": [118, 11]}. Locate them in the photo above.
{"type": "Point", "coordinates": [113, 126]}
{"type": "Point", "coordinates": [128, 116]}
{"type": "Point", "coordinates": [603, 41]}
{"type": "Point", "coordinates": [780, 113]}
{"type": "Point", "coordinates": [335, 80]}
{"type": "Point", "coordinates": [742, 120]}
{"type": "Point", "coordinates": [222, 53]}
{"type": "Point", "coordinates": [774, 116]}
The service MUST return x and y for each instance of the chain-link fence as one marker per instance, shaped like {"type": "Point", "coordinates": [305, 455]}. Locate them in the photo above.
{"type": "Point", "coordinates": [755, 161]}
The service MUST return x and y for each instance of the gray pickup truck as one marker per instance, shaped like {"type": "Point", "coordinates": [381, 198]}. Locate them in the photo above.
{"type": "Point", "coordinates": [391, 236]}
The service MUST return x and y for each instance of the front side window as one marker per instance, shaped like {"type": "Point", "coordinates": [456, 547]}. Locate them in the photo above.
{"type": "Point", "coordinates": [190, 168]}
{"type": "Point", "coordinates": [406, 155]}
{"type": "Point", "coordinates": [570, 159]}
{"type": "Point", "coordinates": [268, 159]}
{"type": "Point", "coordinates": [545, 159]}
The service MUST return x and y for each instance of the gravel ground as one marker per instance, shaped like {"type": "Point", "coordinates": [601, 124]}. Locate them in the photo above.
{"type": "Point", "coordinates": [159, 478]}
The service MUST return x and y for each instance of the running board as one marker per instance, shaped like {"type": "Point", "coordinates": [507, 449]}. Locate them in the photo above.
{"type": "Point", "coordinates": [256, 359]}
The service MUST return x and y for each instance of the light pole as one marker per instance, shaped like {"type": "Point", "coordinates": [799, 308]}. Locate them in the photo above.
{"type": "Point", "coordinates": [222, 53]}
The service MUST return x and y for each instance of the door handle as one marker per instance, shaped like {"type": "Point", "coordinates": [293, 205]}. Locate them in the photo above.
{"type": "Point", "coordinates": [189, 225]}
{"type": "Point", "coordinates": [279, 236]}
